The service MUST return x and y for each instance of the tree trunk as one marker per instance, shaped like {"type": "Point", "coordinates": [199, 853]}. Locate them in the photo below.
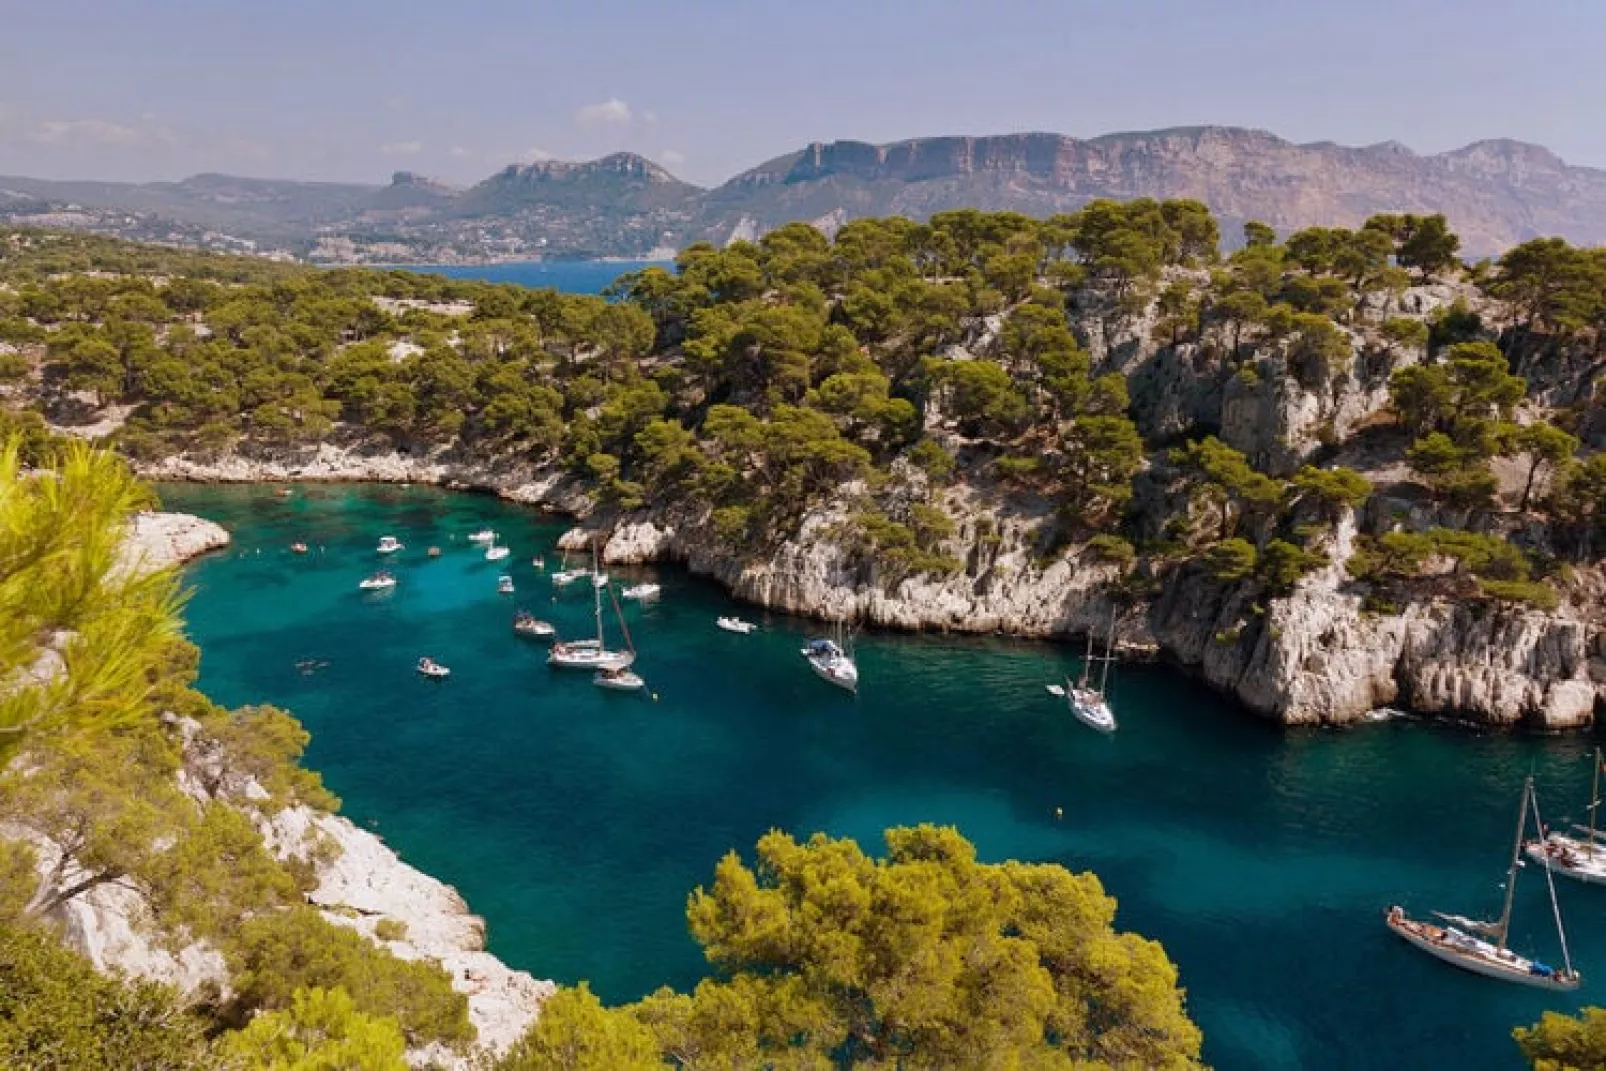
{"type": "Point", "coordinates": [1527, 490]}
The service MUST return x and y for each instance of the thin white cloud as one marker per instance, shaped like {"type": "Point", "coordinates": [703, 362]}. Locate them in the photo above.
{"type": "Point", "coordinates": [457, 150]}
{"type": "Point", "coordinates": [535, 156]}
{"type": "Point", "coordinates": [85, 132]}
{"type": "Point", "coordinates": [402, 148]}
{"type": "Point", "coordinates": [672, 157]}
{"type": "Point", "coordinates": [612, 112]}
{"type": "Point", "coordinates": [649, 118]}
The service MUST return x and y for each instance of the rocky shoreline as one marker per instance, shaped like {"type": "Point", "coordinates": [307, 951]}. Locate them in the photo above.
{"type": "Point", "coordinates": [362, 882]}
{"type": "Point", "coordinates": [1315, 657]}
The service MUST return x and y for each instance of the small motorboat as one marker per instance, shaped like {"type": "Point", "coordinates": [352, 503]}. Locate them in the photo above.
{"type": "Point", "coordinates": [504, 584]}
{"type": "Point", "coordinates": [735, 624]}
{"type": "Point", "coordinates": [434, 552]}
{"type": "Point", "coordinates": [527, 624]}
{"type": "Point", "coordinates": [619, 680]}
{"type": "Point", "coordinates": [389, 545]}
{"type": "Point", "coordinates": [599, 580]}
{"type": "Point", "coordinates": [283, 492]}
{"type": "Point", "coordinates": [564, 577]}
{"type": "Point", "coordinates": [538, 562]}
{"type": "Point", "coordinates": [494, 553]}
{"type": "Point", "coordinates": [380, 581]}
{"type": "Point", "coordinates": [484, 535]}
{"type": "Point", "coordinates": [298, 548]}
{"type": "Point", "coordinates": [641, 592]}
{"type": "Point", "coordinates": [433, 669]}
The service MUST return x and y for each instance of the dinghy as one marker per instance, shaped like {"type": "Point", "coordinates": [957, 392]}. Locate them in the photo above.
{"type": "Point", "coordinates": [389, 545]}
{"type": "Point", "coordinates": [735, 624]}
{"type": "Point", "coordinates": [433, 669]}
{"type": "Point", "coordinates": [378, 582]}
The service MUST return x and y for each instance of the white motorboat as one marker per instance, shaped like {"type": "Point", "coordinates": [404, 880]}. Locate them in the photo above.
{"type": "Point", "coordinates": [619, 680]}
{"type": "Point", "coordinates": [494, 553]}
{"type": "Point", "coordinates": [504, 585]}
{"type": "Point", "coordinates": [377, 582]}
{"type": "Point", "coordinates": [1487, 954]}
{"type": "Point", "coordinates": [564, 577]}
{"type": "Point", "coordinates": [1090, 705]}
{"type": "Point", "coordinates": [594, 654]}
{"type": "Point", "coordinates": [831, 662]}
{"type": "Point", "coordinates": [527, 624]}
{"type": "Point", "coordinates": [433, 669]}
{"type": "Point", "coordinates": [1581, 858]}
{"type": "Point", "coordinates": [735, 624]}
{"type": "Point", "coordinates": [599, 580]}
{"type": "Point", "coordinates": [641, 592]}
{"type": "Point", "coordinates": [484, 535]}
{"type": "Point", "coordinates": [389, 545]}
{"type": "Point", "coordinates": [538, 562]}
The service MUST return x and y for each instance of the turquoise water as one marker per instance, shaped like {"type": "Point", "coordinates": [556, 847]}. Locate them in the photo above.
{"type": "Point", "coordinates": [577, 820]}
{"type": "Point", "coordinates": [571, 276]}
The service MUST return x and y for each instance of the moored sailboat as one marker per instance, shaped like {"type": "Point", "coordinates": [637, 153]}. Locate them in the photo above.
{"type": "Point", "coordinates": [832, 660]}
{"type": "Point", "coordinates": [592, 654]}
{"type": "Point", "coordinates": [1090, 705]}
{"type": "Point", "coordinates": [1480, 947]}
{"type": "Point", "coordinates": [1582, 859]}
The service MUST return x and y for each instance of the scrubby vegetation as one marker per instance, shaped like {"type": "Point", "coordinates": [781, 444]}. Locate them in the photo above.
{"type": "Point", "coordinates": [97, 717]}
{"type": "Point", "coordinates": [825, 957]}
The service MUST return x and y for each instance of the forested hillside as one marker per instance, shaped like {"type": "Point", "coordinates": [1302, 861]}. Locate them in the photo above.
{"type": "Point", "coordinates": [1274, 465]}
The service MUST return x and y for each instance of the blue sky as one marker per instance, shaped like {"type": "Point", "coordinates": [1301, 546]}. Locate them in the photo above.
{"type": "Point", "coordinates": [354, 89]}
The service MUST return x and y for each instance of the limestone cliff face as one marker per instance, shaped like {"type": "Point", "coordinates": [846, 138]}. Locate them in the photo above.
{"type": "Point", "coordinates": [1498, 193]}
{"type": "Point", "coordinates": [1313, 657]}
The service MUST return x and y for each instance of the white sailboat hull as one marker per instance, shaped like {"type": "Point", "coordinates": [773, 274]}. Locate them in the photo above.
{"type": "Point", "coordinates": [1479, 957]}
{"type": "Point", "coordinates": [1569, 857]}
{"type": "Point", "coordinates": [588, 655]}
{"type": "Point", "coordinates": [1091, 709]}
{"type": "Point", "coordinates": [838, 671]}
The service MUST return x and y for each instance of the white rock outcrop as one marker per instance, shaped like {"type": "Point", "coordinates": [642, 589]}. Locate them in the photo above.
{"type": "Point", "coordinates": [365, 884]}
{"type": "Point", "coordinates": [158, 540]}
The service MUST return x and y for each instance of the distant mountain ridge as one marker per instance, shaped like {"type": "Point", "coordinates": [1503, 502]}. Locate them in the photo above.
{"type": "Point", "coordinates": [1496, 193]}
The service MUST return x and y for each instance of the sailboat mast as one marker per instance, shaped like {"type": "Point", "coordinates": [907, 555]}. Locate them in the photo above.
{"type": "Point", "coordinates": [1594, 802]}
{"type": "Point", "coordinates": [1550, 885]}
{"type": "Point", "coordinates": [1516, 861]}
{"type": "Point", "coordinates": [1087, 661]}
{"type": "Point", "coordinates": [1109, 656]}
{"type": "Point", "coordinates": [597, 592]}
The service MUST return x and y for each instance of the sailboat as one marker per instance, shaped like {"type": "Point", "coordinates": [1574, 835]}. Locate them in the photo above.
{"type": "Point", "coordinates": [832, 660]}
{"type": "Point", "coordinates": [1090, 705]}
{"type": "Point", "coordinates": [1580, 859]}
{"type": "Point", "coordinates": [1487, 954]}
{"type": "Point", "coordinates": [592, 654]}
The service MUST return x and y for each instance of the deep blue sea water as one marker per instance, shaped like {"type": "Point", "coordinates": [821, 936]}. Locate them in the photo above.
{"type": "Point", "coordinates": [571, 276]}
{"type": "Point", "coordinates": [576, 820]}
